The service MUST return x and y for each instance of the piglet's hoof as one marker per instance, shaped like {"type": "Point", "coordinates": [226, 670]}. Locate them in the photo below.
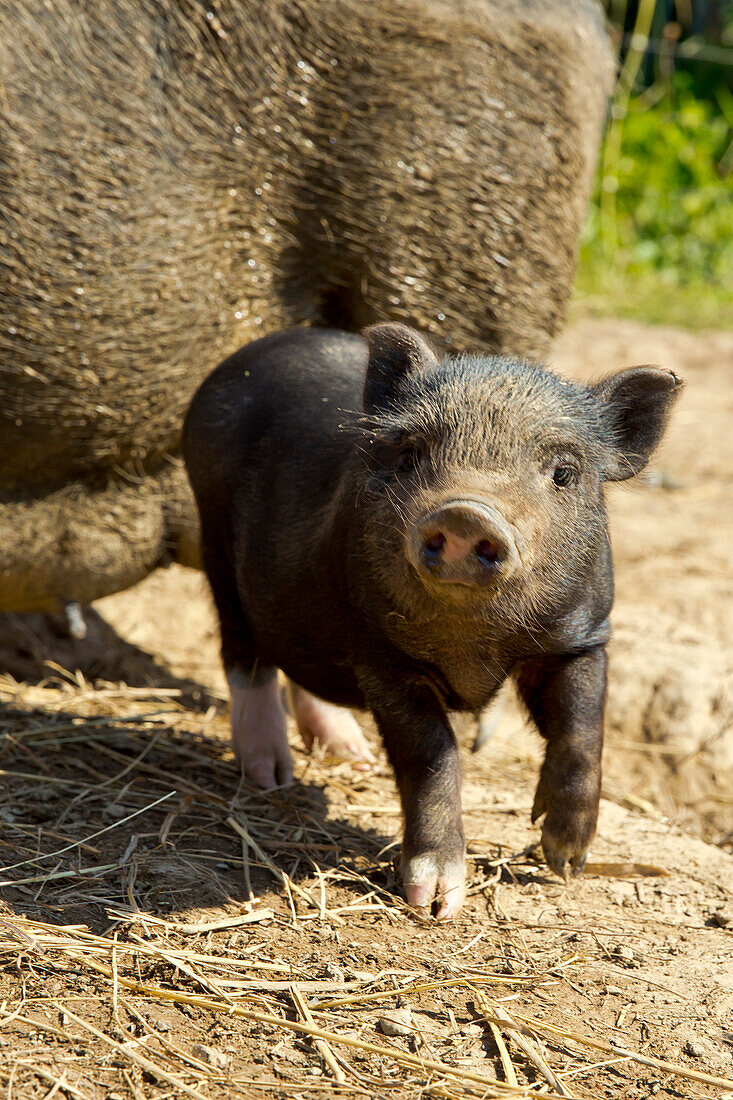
{"type": "Point", "coordinates": [435, 885]}
{"type": "Point", "coordinates": [566, 834]}
{"type": "Point", "coordinates": [259, 735]}
{"type": "Point", "coordinates": [567, 795]}
{"type": "Point", "coordinates": [333, 728]}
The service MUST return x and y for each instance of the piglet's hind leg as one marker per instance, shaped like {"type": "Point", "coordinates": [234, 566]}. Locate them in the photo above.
{"type": "Point", "coordinates": [332, 727]}
{"type": "Point", "coordinates": [259, 734]}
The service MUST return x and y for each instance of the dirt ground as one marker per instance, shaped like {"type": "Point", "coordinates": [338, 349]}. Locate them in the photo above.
{"type": "Point", "coordinates": [193, 926]}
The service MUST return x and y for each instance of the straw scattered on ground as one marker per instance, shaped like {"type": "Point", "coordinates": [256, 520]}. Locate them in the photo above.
{"type": "Point", "coordinates": [170, 931]}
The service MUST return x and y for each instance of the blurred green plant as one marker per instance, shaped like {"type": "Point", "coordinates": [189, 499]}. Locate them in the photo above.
{"type": "Point", "coordinates": [658, 241]}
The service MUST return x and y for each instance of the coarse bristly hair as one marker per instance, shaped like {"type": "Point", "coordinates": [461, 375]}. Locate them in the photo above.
{"type": "Point", "coordinates": [498, 427]}
{"type": "Point", "coordinates": [184, 177]}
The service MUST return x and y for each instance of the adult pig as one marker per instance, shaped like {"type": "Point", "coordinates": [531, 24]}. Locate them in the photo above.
{"type": "Point", "coordinates": [402, 533]}
{"type": "Point", "coordinates": [179, 176]}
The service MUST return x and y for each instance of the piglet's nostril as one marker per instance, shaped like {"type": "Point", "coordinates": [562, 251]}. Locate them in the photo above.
{"type": "Point", "coordinates": [488, 551]}
{"type": "Point", "coordinates": [435, 543]}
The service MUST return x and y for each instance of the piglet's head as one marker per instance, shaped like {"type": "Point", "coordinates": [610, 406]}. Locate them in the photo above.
{"type": "Point", "coordinates": [487, 472]}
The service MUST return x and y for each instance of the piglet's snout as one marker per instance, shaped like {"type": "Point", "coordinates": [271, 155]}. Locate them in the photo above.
{"type": "Point", "coordinates": [463, 542]}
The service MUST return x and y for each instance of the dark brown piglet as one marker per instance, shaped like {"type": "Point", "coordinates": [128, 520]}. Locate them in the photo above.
{"type": "Point", "coordinates": [401, 533]}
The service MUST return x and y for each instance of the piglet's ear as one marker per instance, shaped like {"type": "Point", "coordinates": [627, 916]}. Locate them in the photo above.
{"type": "Point", "coordinates": [635, 405]}
{"type": "Point", "coordinates": [395, 351]}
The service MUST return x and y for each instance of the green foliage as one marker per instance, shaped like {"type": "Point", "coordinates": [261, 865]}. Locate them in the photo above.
{"type": "Point", "coordinates": [669, 233]}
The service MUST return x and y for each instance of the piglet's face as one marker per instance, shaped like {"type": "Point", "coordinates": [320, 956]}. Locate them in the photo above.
{"type": "Point", "coordinates": [487, 473]}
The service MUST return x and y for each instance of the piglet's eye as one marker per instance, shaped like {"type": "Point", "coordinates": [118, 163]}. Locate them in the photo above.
{"type": "Point", "coordinates": [409, 457]}
{"type": "Point", "coordinates": [563, 476]}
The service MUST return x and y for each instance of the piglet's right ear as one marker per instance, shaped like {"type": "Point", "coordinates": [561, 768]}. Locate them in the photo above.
{"type": "Point", "coordinates": [635, 405]}
{"type": "Point", "coordinates": [395, 351]}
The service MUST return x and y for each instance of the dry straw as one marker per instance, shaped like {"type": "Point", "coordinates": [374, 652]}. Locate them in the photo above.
{"type": "Point", "coordinates": [169, 793]}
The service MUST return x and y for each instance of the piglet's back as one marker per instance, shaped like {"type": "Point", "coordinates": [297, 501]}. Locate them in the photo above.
{"type": "Point", "coordinates": [276, 404]}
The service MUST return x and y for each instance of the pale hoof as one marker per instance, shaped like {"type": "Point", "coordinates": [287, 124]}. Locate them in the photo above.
{"type": "Point", "coordinates": [259, 734]}
{"type": "Point", "coordinates": [431, 883]}
{"type": "Point", "coordinates": [332, 728]}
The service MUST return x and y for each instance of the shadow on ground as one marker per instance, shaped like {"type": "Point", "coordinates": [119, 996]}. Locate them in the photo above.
{"type": "Point", "coordinates": [148, 810]}
{"type": "Point", "coordinates": [34, 647]}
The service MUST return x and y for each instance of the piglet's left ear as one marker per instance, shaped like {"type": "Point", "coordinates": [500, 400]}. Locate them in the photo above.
{"type": "Point", "coordinates": [395, 353]}
{"type": "Point", "coordinates": [635, 406]}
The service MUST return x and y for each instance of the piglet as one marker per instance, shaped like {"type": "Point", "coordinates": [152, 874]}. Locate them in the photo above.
{"type": "Point", "coordinates": [400, 532]}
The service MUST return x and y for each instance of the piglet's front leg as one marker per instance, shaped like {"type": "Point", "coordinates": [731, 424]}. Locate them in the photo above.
{"type": "Point", "coordinates": [422, 750]}
{"type": "Point", "coordinates": [566, 698]}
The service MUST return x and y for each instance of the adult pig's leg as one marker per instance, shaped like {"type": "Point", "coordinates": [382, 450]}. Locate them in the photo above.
{"type": "Point", "coordinates": [423, 752]}
{"type": "Point", "coordinates": [332, 727]}
{"type": "Point", "coordinates": [566, 698]}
